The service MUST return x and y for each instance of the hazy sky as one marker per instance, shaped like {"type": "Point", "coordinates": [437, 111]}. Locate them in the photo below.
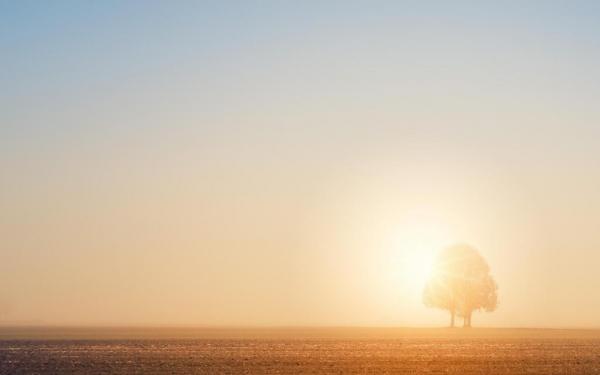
{"type": "Point", "coordinates": [296, 163]}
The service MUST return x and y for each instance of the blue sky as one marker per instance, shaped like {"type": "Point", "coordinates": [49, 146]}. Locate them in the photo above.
{"type": "Point", "coordinates": [271, 143]}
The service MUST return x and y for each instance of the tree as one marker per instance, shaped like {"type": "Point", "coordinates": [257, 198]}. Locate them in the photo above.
{"type": "Point", "coordinates": [461, 283]}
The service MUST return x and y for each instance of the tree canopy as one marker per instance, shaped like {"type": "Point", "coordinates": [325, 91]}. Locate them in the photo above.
{"type": "Point", "coordinates": [461, 283]}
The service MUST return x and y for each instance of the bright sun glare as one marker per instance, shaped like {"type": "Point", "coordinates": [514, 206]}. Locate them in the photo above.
{"type": "Point", "coordinates": [416, 244]}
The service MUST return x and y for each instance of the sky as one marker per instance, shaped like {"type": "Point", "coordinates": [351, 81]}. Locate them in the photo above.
{"type": "Point", "coordinates": [296, 163]}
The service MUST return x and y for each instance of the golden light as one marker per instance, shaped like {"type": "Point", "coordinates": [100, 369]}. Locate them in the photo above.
{"type": "Point", "coordinates": [416, 242]}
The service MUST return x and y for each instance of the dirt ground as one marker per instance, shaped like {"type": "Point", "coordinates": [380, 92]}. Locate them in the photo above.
{"type": "Point", "coordinates": [297, 350]}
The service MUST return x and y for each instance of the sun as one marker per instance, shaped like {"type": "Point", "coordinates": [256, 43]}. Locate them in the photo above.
{"type": "Point", "coordinates": [418, 266]}
{"type": "Point", "coordinates": [416, 259]}
{"type": "Point", "coordinates": [416, 244]}
{"type": "Point", "coordinates": [408, 253]}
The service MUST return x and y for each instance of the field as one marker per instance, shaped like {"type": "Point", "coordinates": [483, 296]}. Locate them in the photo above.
{"type": "Point", "coordinates": [298, 350]}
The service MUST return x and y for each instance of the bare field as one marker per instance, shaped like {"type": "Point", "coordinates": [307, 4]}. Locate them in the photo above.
{"type": "Point", "coordinates": [297, 350]}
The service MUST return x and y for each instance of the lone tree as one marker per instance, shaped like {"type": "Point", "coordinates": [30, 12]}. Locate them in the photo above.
{"type": "Point", "coordinates": [461, 283]}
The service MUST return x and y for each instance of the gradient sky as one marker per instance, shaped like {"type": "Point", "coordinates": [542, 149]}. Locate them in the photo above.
{"type": "Point", "coordinates": [296, 163]}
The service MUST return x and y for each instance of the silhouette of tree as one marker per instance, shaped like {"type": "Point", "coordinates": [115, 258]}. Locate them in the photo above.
{"type": "Point", "coordinates": [461, 283]}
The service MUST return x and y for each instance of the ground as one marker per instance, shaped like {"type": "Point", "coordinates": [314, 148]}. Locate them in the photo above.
{"type": "Point", "coordinates": [297, 350]}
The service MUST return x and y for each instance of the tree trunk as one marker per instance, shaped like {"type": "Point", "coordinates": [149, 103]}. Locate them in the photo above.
{"type": "Point", "coordinates": [467, 320]}
{"type": "Point", "coordinates": [452, 315]}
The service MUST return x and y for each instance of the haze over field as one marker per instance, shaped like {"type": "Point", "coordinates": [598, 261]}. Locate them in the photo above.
{"type": "Point", "coordinates": [271, 163]}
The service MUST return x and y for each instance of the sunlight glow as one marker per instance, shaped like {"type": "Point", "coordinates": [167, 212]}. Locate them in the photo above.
{"type": "Point", "coordinates": [416, 242]}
